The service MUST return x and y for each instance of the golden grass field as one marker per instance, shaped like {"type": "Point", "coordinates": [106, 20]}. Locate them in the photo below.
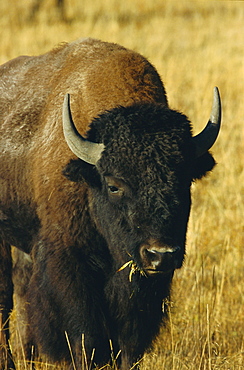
{"type": "Point", "coordinates": [195, 46]}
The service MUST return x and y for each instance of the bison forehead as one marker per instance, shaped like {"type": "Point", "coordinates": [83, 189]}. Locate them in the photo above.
{"type": "Point", "coordinates": [142, 138]}
{"type": "Point", "coordinates": [140, 123]}
{"type": "Point", "coordinates": [149, 148]}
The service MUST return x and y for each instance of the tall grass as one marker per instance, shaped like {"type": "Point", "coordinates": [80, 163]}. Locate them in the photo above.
{"type": "Point", "coordinates": [195, 46]}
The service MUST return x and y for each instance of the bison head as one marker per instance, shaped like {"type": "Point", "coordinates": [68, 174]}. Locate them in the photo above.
{"type": "Point", "coordinates": [139, 162]}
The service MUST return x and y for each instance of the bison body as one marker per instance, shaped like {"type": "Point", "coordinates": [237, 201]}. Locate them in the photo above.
{"type": "Point", "coordinates": [104, 231]}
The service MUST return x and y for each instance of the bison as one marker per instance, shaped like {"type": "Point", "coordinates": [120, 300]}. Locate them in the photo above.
{"type": "Point", "coordinates": [95, 180]}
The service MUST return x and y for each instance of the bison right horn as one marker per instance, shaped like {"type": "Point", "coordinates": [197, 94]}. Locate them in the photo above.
{"type": "Point", "coordinates": [84, 149]}
{"type": "Point", "coordinates": [205, 140]}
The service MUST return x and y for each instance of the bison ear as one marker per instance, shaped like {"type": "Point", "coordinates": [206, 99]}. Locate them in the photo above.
{"type": "Point", "coordinates": [80, 171]}
{"type": "Point", "coordinates": [203, 164]}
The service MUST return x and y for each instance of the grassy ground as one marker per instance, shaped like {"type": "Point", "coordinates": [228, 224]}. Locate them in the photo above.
{"type": "Point", "coordinates": [195, 46]}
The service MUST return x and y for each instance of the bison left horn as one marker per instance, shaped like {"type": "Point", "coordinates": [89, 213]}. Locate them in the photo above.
{"type": "Point", "coordinates": [205, 140]}
{"type": "Point", "coordinates": [84, 149]}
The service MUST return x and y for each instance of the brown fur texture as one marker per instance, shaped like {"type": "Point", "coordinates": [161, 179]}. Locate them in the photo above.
{"type": "Point", "coordinates": [81, 223]}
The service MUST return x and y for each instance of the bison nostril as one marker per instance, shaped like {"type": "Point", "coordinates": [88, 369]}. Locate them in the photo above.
{"type": "Point", "coordinates": [155, 257]}
{"type": "Point", "coordinates": [150, 252]}
{"type": "Point", "coordinates": [161, 258]}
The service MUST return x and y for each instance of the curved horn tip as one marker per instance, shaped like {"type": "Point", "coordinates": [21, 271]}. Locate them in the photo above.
{"type": "Point", "coordinates": [215, 116]}
{"type": "Point", "coordinates": [67, 97]}
{"type": "Point", "coordinates": [66, 107]}
{"type": "Point", "coordinates": [66, 100]}
{"type": "Point", "coordinates": [84, 149]}
{"type": "Point", "coordinates": [205, 139]}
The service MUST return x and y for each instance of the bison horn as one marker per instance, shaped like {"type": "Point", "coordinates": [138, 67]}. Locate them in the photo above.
{"type": "Point", "coordinates": [84, 149]}
{"type": "Point", "coordinates": [205, 140]}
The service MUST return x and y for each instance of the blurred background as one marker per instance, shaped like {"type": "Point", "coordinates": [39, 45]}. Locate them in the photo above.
{"type": "Point", "coordinates": [195, 45]}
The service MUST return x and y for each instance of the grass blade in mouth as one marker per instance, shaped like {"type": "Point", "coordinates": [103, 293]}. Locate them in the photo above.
{"type": "Point", "coordinates": [133, 269]}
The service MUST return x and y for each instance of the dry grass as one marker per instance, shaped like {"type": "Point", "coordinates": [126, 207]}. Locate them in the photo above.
{"type": "Point", "coordinates": [195, 46]}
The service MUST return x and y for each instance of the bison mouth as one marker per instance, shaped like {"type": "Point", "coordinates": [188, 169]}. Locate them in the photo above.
{"type": "Point", "coordinates": [147, 272]}
{"type": "Point", "coordinates": [155, 259]}
{"type": "Point", "coordinates": [150, 272]}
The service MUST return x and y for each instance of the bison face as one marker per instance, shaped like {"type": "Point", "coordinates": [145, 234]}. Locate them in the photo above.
{"type": "Point", "coordinates": [145, 230]}
{"type": "Point", "coordinates": [139, 188]}
{"type": "Point", "coordinates": [143, 219]}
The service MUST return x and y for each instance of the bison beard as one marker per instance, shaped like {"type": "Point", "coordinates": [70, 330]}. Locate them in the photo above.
{"type": "Point", "coordinates": [129, 315]}
{"type": "Point", "coordinates": [98, 236]}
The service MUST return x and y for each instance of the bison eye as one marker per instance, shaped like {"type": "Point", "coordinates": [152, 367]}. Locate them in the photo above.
{"type": "Point", "coordinates": [113, 189]}
{"type": "Point", "coordinates": [116, 188]}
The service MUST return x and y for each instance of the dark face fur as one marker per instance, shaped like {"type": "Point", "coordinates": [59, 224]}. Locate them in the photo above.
{"type": "Point", "coordinates": [140, 188]}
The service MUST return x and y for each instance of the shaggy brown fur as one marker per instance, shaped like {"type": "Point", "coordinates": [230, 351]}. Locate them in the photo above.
{"type": "Point", "coordinates": [81, 223]}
